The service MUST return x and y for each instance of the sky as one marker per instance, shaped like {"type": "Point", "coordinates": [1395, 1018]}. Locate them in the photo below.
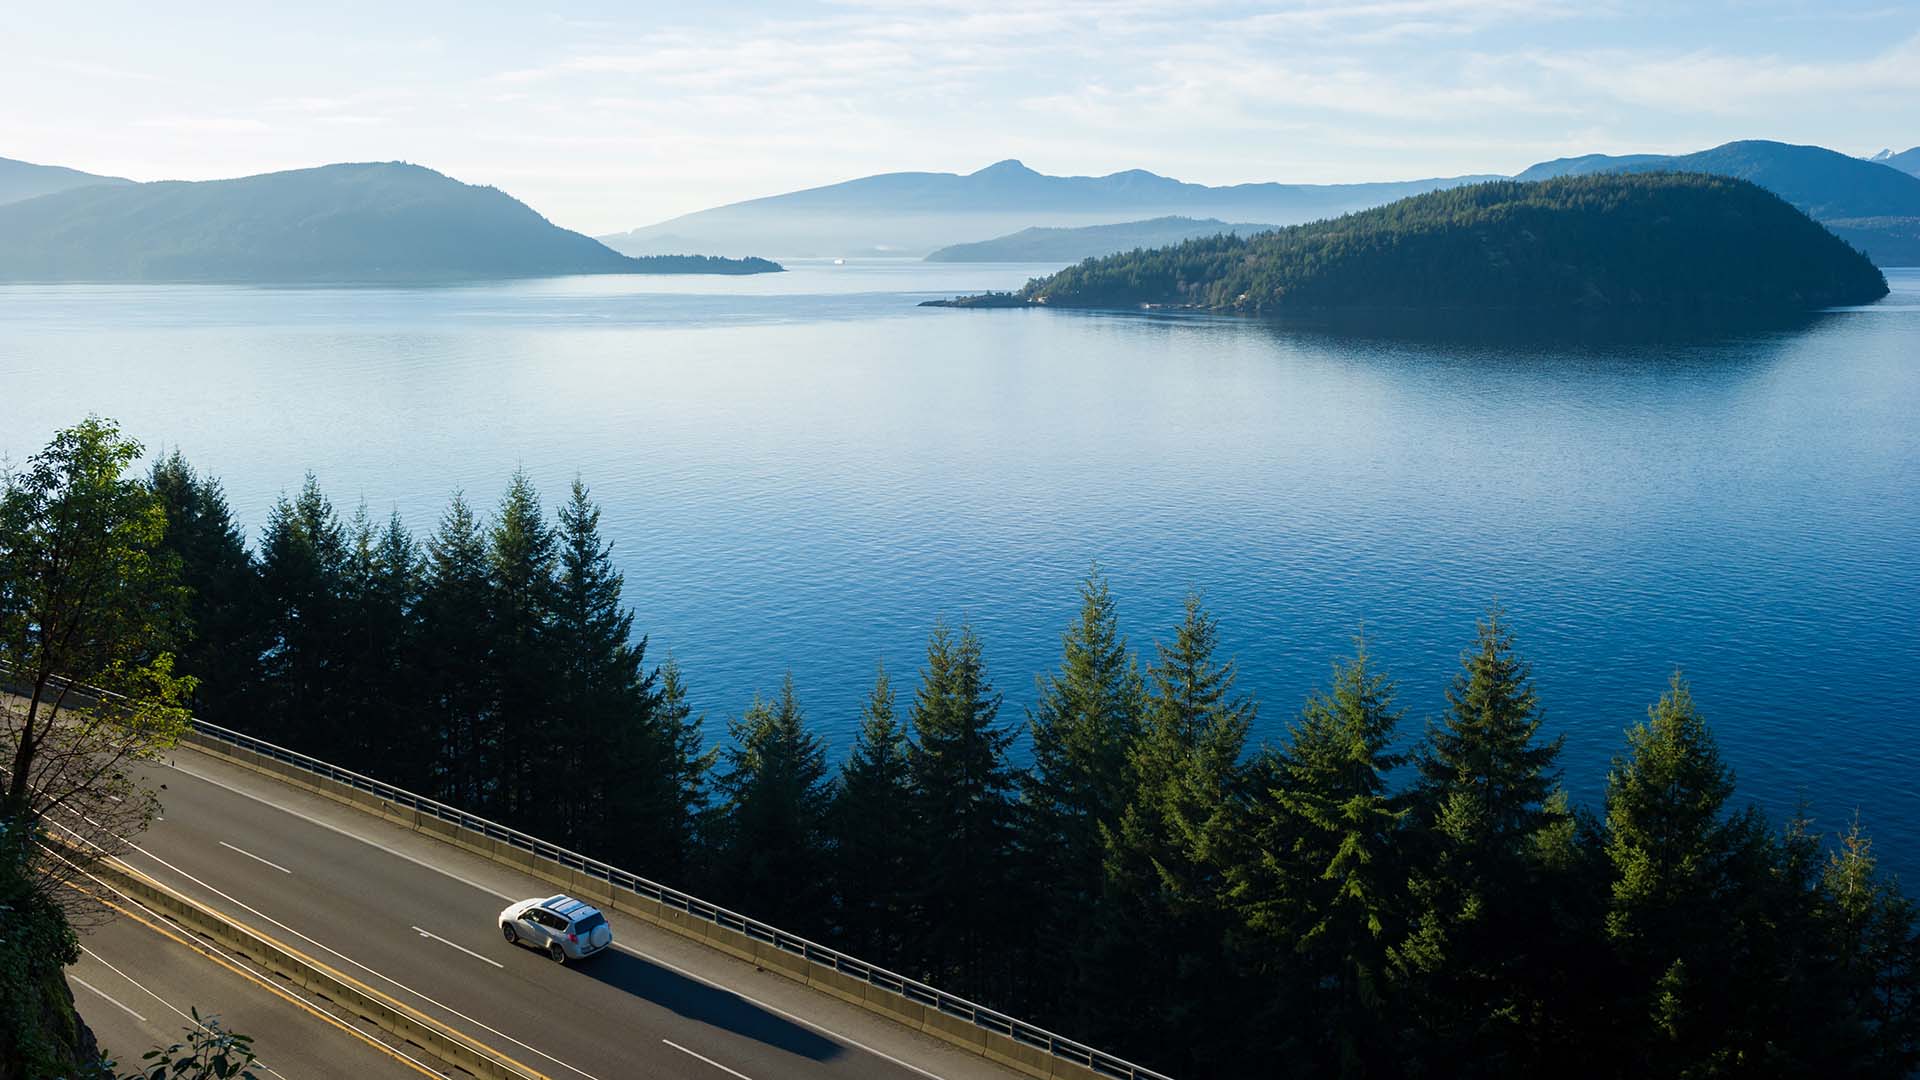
{"type": "Point", "coordinates": [608, 116]}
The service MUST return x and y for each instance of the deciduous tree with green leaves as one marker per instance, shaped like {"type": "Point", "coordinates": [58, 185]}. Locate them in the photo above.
{"type": "Point", "coordinates": [89, 598]}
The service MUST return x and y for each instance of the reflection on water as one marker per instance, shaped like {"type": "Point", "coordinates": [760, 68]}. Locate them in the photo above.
{"type": "Point", "coordinates": [802, 470]}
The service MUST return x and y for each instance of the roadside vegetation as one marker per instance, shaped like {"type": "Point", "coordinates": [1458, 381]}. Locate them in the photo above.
{"type": "Point", "coordinates": [1363, 898]}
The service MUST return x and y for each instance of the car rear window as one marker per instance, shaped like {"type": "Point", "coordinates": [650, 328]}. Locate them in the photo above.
{"type": "Point", "coordinates": [589, 924]}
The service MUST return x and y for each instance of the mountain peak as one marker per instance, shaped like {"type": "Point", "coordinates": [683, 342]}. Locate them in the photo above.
{"type": "Point", "coordinates": [1009, 167]}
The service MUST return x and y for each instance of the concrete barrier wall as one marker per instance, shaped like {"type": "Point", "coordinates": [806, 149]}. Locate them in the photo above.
{"type": "Point", "coordinates": [435, 1039]}
{"type": "Point", "coordinates": [1014, 1054]}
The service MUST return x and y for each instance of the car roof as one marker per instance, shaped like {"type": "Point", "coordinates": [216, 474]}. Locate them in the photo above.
{"type": "Point", "coordinates": [569, 908]}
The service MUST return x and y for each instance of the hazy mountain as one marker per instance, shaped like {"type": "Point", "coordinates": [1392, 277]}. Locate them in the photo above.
{"type": "Point", "coordinates": [1822, 182]}
{"type": "Point", "coordinates": [355, 222]}
{"type": "Point", "coordinates": [1907, 161]}
{"type": "Point", "coordinates": [1874, 207]}
{"type": "Point", "coordinates": [1089, 241]}
{"type": "Point", "coordinates": [25, 180]}
{"type": "Point", "coordinates": [1681, 250]}
{"type": "Point", "coordinates": [913, 213]}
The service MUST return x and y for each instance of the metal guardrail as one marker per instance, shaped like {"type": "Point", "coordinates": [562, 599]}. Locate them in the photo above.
{"type": "Point", "coordinates": [913, 990]}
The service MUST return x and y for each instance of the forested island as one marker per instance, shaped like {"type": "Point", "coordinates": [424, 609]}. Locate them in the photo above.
{"type": "Point", "coordinates": [364, 222]}
{"type": "Point", "coordinates": [1365, 898]}
{"type": "Point", "coordinates": [1677, 247]}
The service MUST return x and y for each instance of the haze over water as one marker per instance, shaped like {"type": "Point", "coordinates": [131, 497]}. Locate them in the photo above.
{"type": "Point", "coordinates": [801, 471]}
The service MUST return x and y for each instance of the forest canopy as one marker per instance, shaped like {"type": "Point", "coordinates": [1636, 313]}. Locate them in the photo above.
{"type": "Point", "coordinates": [1668, 245]}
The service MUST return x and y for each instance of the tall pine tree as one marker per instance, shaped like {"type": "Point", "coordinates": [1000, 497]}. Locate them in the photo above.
{"type": "Point", "coordinates": [605, 698]}
{"type": "Point", "coordinates": [871, 822]}
{"type": "Point", "coordinates": [1679, 861]}
{"type": "Point", "coordinates": [456, 660]}
{"type": "Point", "coordinates": [1324, 878]}
{"type": "Point", "coordinates": [223, 606]}
{"type": "Point", "coordinates": [522, 561]}
{"type": "Point", "coordinates": [1485, 795]}
{"type": "Point", "coordinates": [675, 836]}
{"type": "Point", "coordinates": [303, 566]}
{"type": "Point", "coordinates": [774, 796]}
{"type": "Point", "coordinates": [1083, 723]}
{"type": "Point", "coordinates": [965, 825]}
{"type": "Point", "coordinates": [378, 710]}
{"type": "Point", "coordinates": [1157, 974]}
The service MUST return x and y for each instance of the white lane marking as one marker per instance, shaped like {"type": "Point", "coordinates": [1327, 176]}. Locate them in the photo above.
{"type": "Point", "coordinates": [163, 1001]}
{"type": "Point", "coordinates": [349, 834]}
{"type": "Point", "coordinates": [254, 857]}
{"type": "Point", "coordinates": [708, 1060]}
{"type": "Point", "coordinates": [387, 978]}
{"type": "Point", "coordinates": [238, 961]}
{"type": "Point", "coordinates": [462, 948]}
{"type": "Point", "coordinates": [625, 948]}
{"type": "Point", "coordinates": [109, 997]}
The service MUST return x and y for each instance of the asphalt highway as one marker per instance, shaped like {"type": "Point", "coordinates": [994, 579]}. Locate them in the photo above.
{"type": "Point", "coordinates": [139, 982]}
{"type": "Point", "coordinates": [418, 920]}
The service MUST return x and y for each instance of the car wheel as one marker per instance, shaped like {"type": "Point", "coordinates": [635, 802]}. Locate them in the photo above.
{"type": "Point", "coordinates": [558, 954]}
{"type": "Point", "coordinates": [506, 931]}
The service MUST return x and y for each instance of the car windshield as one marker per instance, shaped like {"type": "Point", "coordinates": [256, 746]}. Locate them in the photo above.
{"type": "Point", "coordinates": [589, 924]}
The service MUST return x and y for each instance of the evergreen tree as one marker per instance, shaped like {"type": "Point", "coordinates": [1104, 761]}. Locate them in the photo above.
{"type": "Point", "coordinates": [378, 710]}
{"type": "Point", "coordinates": [1084, 721]}
{"type": "Point", "coordinates": [303, 567]}
{"type": "Point", "coordinates": [456, 660]}
{"type": "Point", "coordinates": [871, 823]}
{"type": "Point", "coordinates": [678, 834]}
{"type": "Point", "coordinates": [1324, 879]}
{"type": "Point", "coordinates": [774, 797]}
{"type": "Point", "coordinates": [1484, 797]}
{"type": "Point", "coordinates": [965, 818]}
{"type": "Point", "coordinates": [1157, 975]}
{"type": "Point", "coordinates": [615, 760]}
{"type": "Point", "coordinates": [223, 606]}
{"type": "Point", "coordinates": [1876, 932]}
{"type": "Point", "coordinates": [1685, 916]}
{"type": "Point", "coordinates": [522, 561]}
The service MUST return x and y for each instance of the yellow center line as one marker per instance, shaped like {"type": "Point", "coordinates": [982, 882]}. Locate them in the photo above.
{"type": "Point", "coordinates": [215, 956]}
{"type": "Point", "coordinates": [338, 975]}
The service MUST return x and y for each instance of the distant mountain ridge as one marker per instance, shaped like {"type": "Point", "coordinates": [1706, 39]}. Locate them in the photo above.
{"type": "Point", "coordinates": [373, 221]}
{"type": "Point", "coordinates": [1090, 241]}
{"type": "Point", "coordinates": [1907, 161]}
{"type": "Point", "coordinates": [1822, 182]}
{"type": "Point", "coordinates": [1872, 205]}
{"type": "Point", "coordinates": [914, 213]}
{"type": "Point", "coordinates": [25, 180]}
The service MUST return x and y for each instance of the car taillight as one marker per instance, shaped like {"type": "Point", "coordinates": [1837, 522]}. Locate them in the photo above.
{"type": "Point", "coordinates": [573, 939]}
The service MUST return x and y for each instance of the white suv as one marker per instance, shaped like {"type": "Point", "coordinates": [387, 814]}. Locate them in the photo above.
{"type": "Point", "coordinates": [560, 926]}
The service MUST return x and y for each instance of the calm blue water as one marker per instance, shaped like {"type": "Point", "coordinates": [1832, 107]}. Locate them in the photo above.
{"type": "Point", "coordinates": [802, 470]}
